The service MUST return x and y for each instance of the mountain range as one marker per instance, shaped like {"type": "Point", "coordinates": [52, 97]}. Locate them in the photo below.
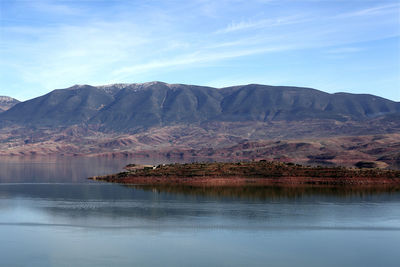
{"type": "Point", "coordinates": [130, 107]}
{"type": "Point", "coordinates": [170, 119]}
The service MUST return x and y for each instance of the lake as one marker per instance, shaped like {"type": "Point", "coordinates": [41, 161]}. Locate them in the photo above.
{"type": "Point", "coordinates": [51, 215]}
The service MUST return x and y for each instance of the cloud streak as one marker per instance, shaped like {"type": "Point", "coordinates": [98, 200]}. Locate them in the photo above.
{"type": "Point", "coordinates": [262, 23]}
{"type": "Point", "coordinates": [372, 11]}
{"type": "Point", "coordinates": [195, 58]}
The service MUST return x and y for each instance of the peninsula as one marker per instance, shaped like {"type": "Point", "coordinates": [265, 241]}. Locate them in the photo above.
{"type": "Point", "coordinates": [261, 173]}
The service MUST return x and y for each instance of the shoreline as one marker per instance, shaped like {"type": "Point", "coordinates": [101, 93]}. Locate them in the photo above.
{"type": "Point", "coordinates": [239, 181]}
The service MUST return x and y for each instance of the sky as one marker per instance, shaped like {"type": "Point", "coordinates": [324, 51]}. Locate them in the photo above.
{"type": "Point", "coordinates": [331, 45]}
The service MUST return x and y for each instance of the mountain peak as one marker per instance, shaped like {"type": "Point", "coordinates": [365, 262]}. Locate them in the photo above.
{"type": "Point", "coordinates": [116, 87]}
{"type": "Point", "coordinates": [113, 88]}
{"type": "Point", "coordinates": [7, 102]}
{"type": "Point", "coordinates": [113, 85]}
{"type": "Point", "coordinates": [124, 85]}
{"type": "Point", "coordinates": [7, 99]}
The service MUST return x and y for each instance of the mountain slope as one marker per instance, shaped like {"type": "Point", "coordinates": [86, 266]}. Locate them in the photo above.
{"type": "Point", "coordinates": [61, 107]}
{"type": "Point", "coordinates": [271, 103]}
{"type": "Point", "coordinates": [127, 107]}
{"type": "Point", "coordinates": [159, 104]}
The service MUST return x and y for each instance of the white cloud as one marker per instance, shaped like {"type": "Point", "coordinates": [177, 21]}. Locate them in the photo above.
{"type": "Point", "coordinates": [262, 23]}
{"type": "Point", "coordinates": [62, 55]}
{"type": "Point", "coordinates": [198, 57]}
{"type": "Point", "coordinates": [377, 10]}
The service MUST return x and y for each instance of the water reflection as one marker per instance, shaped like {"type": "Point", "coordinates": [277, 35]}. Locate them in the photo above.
{"type": "Point", "coordinates": [111, 205]}
{"type": "Point", "coordinates": [297, 192]}
{"type": "Point", "coordinates": [64, 169]}
{"type": "Point", "coordinates": [58, 169]}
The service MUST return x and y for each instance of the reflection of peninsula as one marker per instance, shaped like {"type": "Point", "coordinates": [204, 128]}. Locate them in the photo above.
{"type": "Point", "coordinates": [272, 192]}
{"type": "Point", "coordinates": [250, 174]}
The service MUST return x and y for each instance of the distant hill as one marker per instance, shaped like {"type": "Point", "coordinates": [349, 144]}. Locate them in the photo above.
{"type": "Point", "coordinates": [7, 102]}
{"type": "Point", "coordinates": [130, 107]}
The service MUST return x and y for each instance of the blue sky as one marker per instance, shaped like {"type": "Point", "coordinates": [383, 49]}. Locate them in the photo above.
{"type": "Point", "coordinates": [335, 46]}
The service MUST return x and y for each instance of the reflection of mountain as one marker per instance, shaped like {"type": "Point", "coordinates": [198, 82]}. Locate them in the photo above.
{"type": "Point", "coordinates": [55, 169]}
{"type": "Point", "coordinates": [105, 205]}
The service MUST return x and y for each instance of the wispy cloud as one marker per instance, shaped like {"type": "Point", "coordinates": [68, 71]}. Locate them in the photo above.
{"type": "Point", "coordinates": [261, 23]}
{"type": "Point", "coordinates": [195, 58]}
{"type": "Point", "coordinates": [64, 54]}
{"type": "Point", "coordinates": [372, 11]}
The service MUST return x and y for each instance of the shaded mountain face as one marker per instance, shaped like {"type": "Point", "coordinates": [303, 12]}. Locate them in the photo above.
{"type": "Point", "coordinates": [159, 104]}
{"type": "Point", "coordinates": [7, 102]}
{"type": "Point", "coordinates": [127, 107]}
{"type": "Point", "coordinates": [274, 103]}
{"type": "Point", "coordinates": [59, 107]}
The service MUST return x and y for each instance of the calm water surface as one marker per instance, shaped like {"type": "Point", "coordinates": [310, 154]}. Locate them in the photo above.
{"type": "Point", "coordinates": [51, 215]}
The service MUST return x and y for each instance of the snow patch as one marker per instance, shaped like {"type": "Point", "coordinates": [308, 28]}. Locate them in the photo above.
{"type": "Point", "coordinates": [7, 99]}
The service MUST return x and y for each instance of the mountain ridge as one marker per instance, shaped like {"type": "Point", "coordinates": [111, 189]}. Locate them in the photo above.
{"type": "Point", "coordinates": [131, 107]}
